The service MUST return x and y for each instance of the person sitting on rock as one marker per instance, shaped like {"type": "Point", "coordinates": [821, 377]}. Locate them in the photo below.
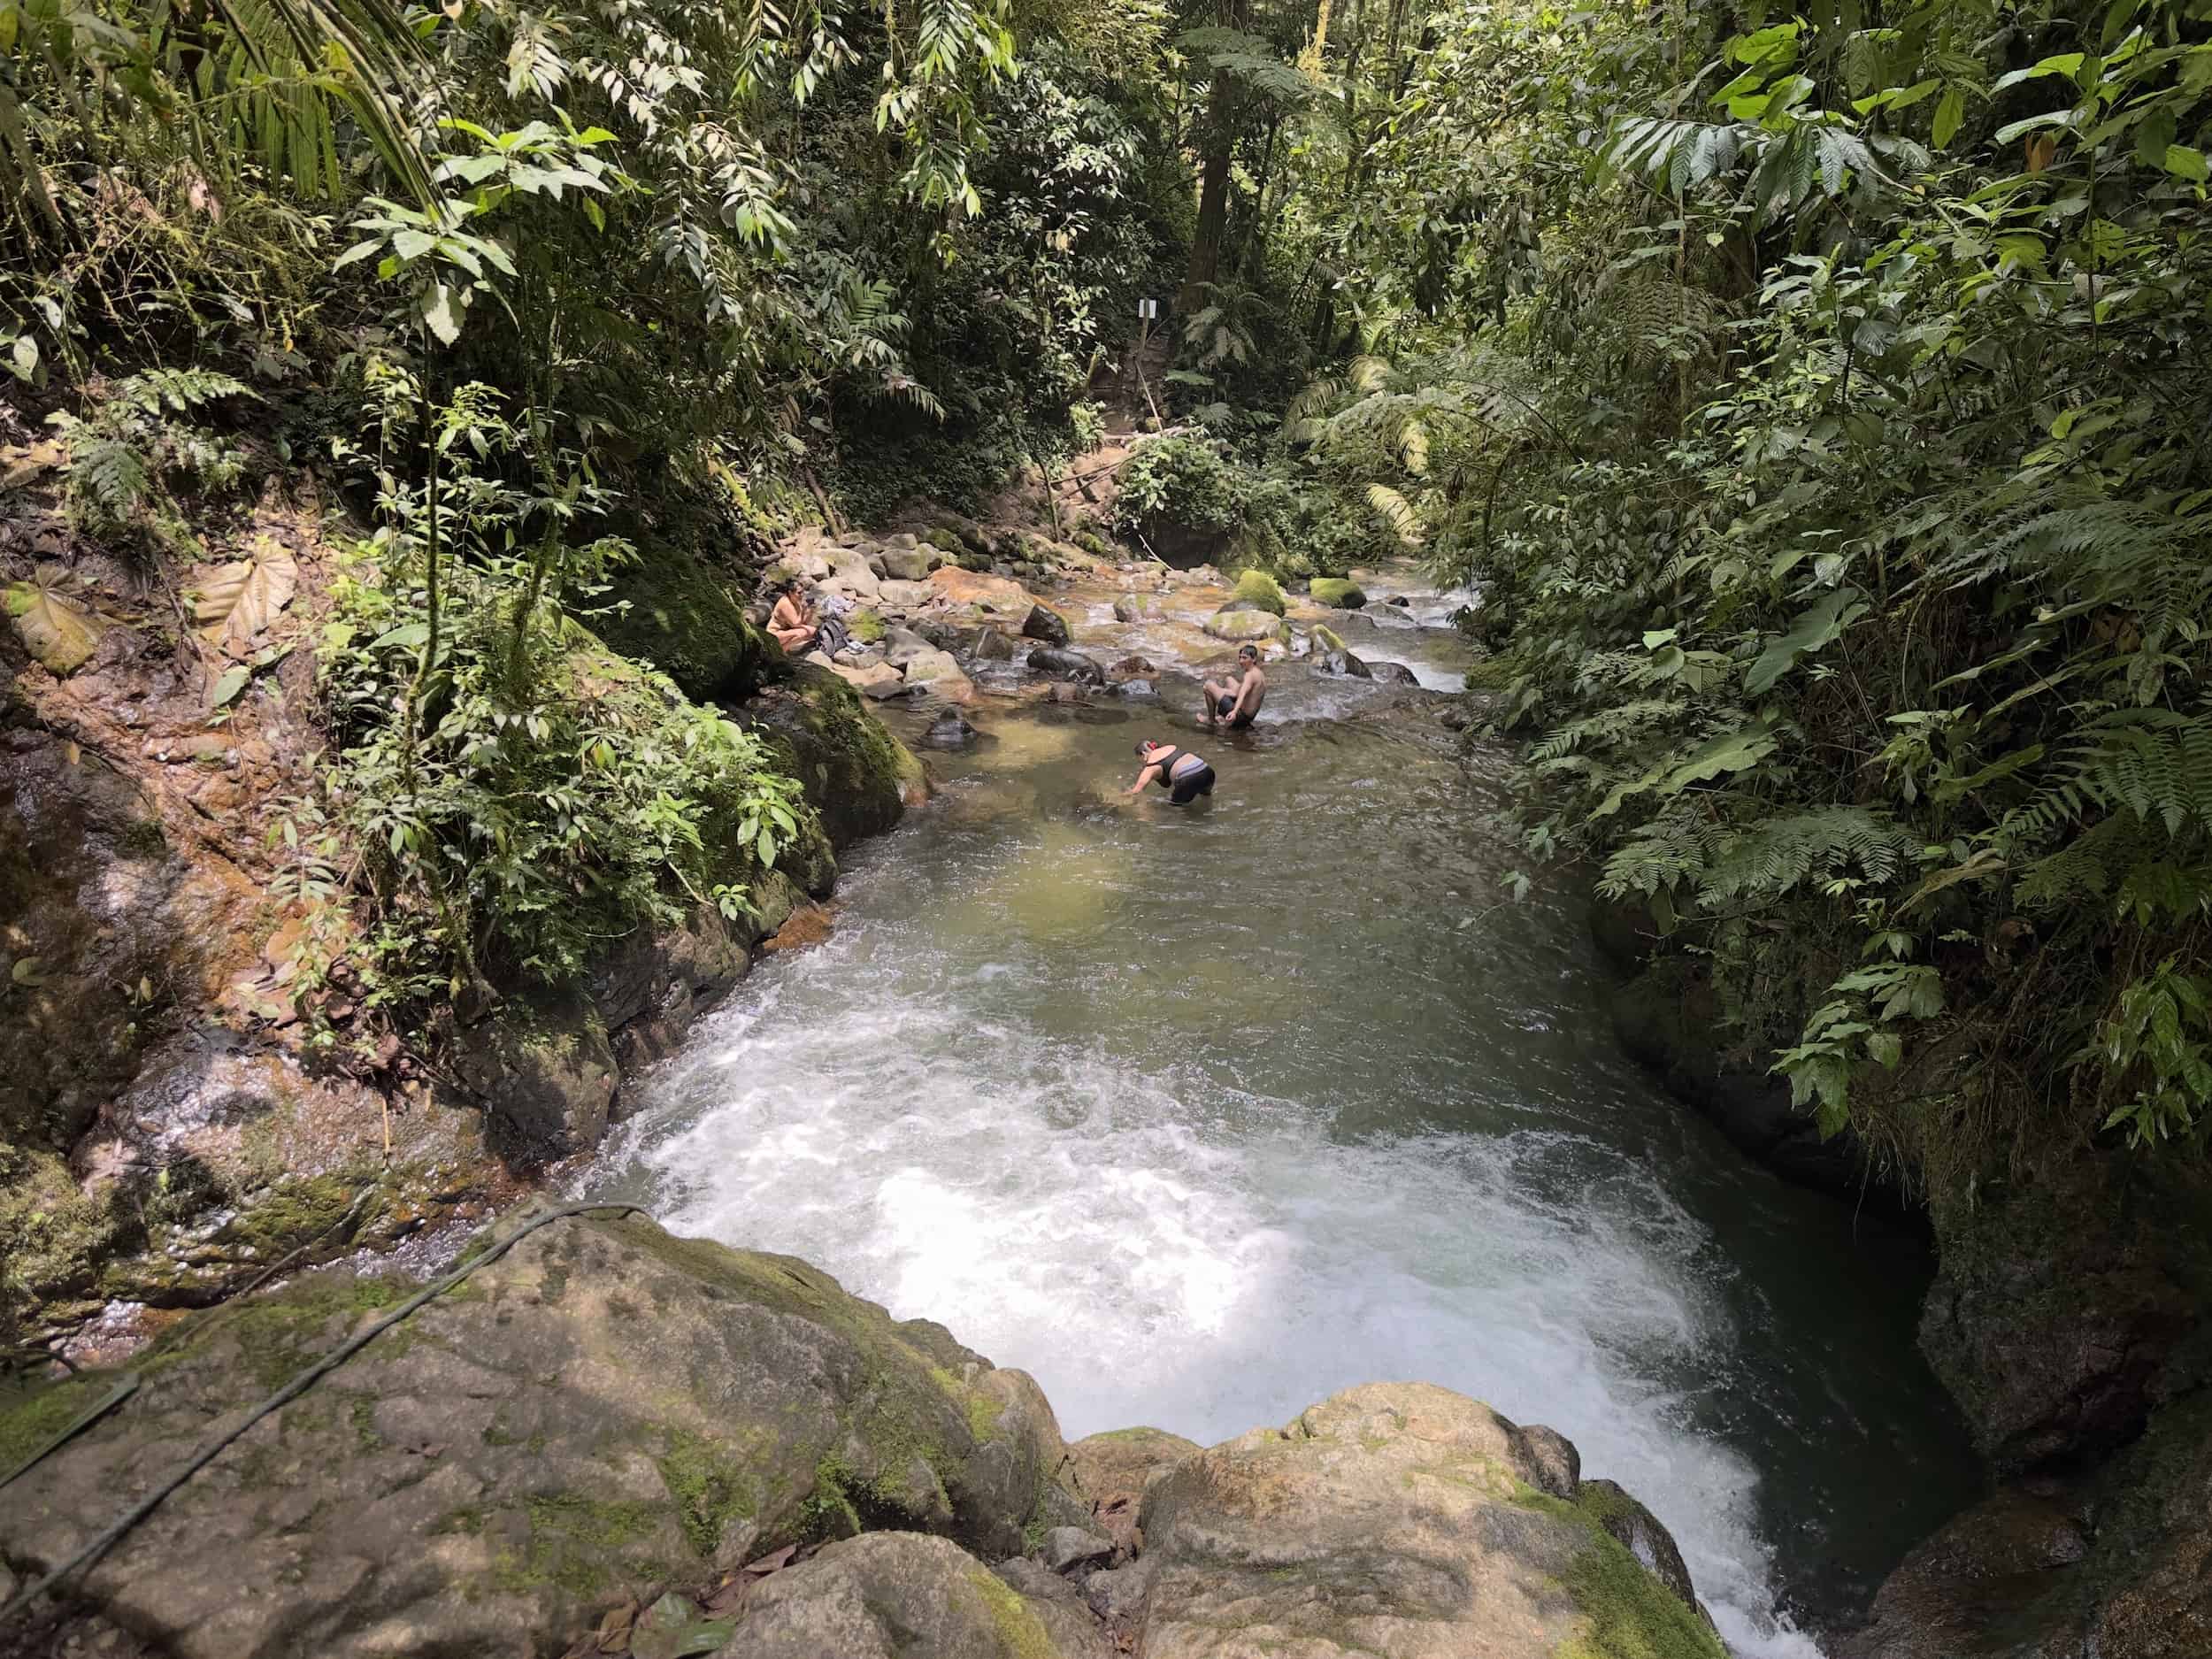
{"type": "Point", "coordinates": [1234, 706]}
{"type": "Point", "coordinates": [791, 624]}
{"type": "Point", "coordinates": [1185, 776]}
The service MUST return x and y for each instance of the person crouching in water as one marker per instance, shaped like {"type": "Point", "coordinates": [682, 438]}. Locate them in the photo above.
{"type": "Point", "coordinates": [1183, 775]}
{"type": "Point", "coordinates": [1233, 704]}
{"type": "Point", "coordinates": [791, 624]}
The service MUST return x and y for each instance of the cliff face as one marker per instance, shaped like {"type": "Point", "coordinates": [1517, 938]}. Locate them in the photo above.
{"type": "Point", "coordinates": [606, 1412]}
{"type": "Point", "coordinates": [170, 1127]}
{"type": "Point", "coordinates": [2066, 1319]}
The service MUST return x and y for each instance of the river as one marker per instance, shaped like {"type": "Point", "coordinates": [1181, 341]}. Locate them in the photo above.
{"type": "Point", "coordinates": [1199, 1116]}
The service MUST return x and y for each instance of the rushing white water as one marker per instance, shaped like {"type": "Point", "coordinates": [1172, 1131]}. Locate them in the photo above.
{"type": "Point", "coordinates": [1198, 1150]}
{"type": "Point", "coordinates": [1205, 1266]}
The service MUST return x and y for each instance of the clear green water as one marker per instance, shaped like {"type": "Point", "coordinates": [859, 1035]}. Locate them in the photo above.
{"type": "Point", "coordinates": [1201, 1115]}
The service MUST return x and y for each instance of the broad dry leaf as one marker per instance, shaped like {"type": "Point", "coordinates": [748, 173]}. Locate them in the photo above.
{"type": "Point", "coordinates": [21, 463]}
{"type": "Point", "coordinates": [234, 602]}
{"type": "Point", "coordinates": [57, 627]}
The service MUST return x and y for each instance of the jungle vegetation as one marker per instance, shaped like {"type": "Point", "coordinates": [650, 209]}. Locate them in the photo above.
{"type": "Point", "coordinates": [1816, 398]}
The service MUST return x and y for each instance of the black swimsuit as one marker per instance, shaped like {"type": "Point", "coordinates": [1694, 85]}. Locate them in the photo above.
{"type": "Point", "coordinates": [1197, 780]}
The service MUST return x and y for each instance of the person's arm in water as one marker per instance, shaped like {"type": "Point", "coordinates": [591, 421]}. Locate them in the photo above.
{"type": "Point", "coordinates": [1151, 770]}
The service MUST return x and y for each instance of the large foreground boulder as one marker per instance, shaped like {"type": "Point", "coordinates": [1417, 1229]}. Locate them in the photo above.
{"type": "Point", "coordinates": [605, 1411]}
{"type": "Point", "coordinates": [1403, 1521]}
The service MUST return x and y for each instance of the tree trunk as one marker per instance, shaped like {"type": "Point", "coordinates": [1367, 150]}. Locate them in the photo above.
{"type": "Point", "coordinates": [1213, 194]}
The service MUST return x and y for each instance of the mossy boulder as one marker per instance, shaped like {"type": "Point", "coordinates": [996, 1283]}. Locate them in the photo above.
{"type": "Point", "coordinates": [605, 1408]}
{"type": "Point", "coordinates": [1326, 639]}
{"type": "Point", "coordinates": [1404, 1519]}
{"type": "Point", "coordinates": [1336, 593]}
{"type": "Point", "coordinates": [545, 1071]}
{"type": "Point", "coordinates": [685, 619]}
{"type": "Point", "coordinates": [1241, 624]}
{"type": "Point", "coordinates": [857, 776]}
{"type": "Point", "coordinates": [1257, 587]}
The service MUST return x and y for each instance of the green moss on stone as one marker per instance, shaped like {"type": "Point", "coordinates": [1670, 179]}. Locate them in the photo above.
{"type": "Point", "coordinates": [280, 1335]}
{"type": "Point", "coordinates": [29, 1420]}
{"type": "Point", "coordinates": [1257, 587]}
{"type": "Point", "coordinates": [1336, 593]}
{"type": "Point", "coordinates": [682, 617]}
{"type": "Point", "coordinates": [710, 1488]}
{"type": "Point", "coordinates": [1020, 1632]}
{"type": "Point", "coordinates": [1625, 1612]}
{"type": "Point", "coordinates": [867, 626]}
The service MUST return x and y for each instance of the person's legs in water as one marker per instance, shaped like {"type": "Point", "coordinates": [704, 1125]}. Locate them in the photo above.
{"type": "Point", "coordinates": [1200, 781]}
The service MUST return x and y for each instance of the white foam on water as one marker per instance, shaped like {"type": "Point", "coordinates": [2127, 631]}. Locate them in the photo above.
{"type": "Point", "coordinates": [1155, 1249]}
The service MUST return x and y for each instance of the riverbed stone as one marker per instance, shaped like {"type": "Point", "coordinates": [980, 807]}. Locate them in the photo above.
{"type": "Point", "coordinates": [1044, 623]}
{"type": "Point", "coordinates": [1336, 593]}
{"type": "Point", "coordinates": [604, 1409]}
{"type": "Point", "coordinates": [1067, 665]}
{"type": "Point", "coordinates": [1392, 674]}
{"type": "Point", "coordinates": [1395, 1519]}
{"type": "Point", "coordinates": [901, 1596]}
{"type": "Point", "coordinates": [1239, 625]}
{"type": "Point", "coordinates": [911, 563]}
{"type": "Point", "coordinates": [1259, 589]}
{"type": "Point", "coordinates": [1344, 664]}
{"type": "Point", "coordinates": [1136, 607]}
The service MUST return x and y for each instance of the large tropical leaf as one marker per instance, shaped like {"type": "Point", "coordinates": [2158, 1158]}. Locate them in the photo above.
{"type": "Point", "coordinates": [57, 626]}
{"type": "Point", "coordinates": [234, 602]}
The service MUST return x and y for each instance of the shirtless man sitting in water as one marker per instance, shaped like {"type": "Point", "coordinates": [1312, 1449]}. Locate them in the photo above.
{"type": "Point", "coordinates": [1233, 704]}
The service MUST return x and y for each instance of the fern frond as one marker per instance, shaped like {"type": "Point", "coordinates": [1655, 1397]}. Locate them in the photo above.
{"type": "Point", "coordinates": [1396, 511]}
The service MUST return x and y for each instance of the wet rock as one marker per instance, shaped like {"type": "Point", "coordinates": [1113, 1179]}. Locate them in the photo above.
{"type": "Point", "coordinates": [1068, 664]}
{"type": "Point", "coordinates": [651, 987]}
{"type": "Point", "coordinates": [1987, 1569]}
{"type": "Point", "coordinates": [1669, 1017]}
{"type": "Point", "coordinates": [1046, 624]}
{"type": "Point", "coordinates": [546, 1074]}
{"type": "Point", "coordinates": [1239, 626]}
{"type": "Point", "coordinates": [858, 778]}
{"type": "Point", "coordinates": [1392, 1518]}
{"type": "Point", "coordinates": [949, 731]}
{"type": "Point", "coordinates": [898, 1595]}
{"type": "Point", "coordinates": [1136, 689]}
{"type": "Point", "coordinates": [1068, 1548]}
{"type": "Point", "coordinates": [1133, 667]}
{"type": "Point", "coordinates": [1556, 1465]}
{"type": "Point", "coordinates": [1637, 1529]}
{"type": "Point", "coordinates": [1399, 600]}
{"type": "Point", "coordinates": [1336, 593]}
{"type": "Point", "coordinates": [1343, 663]}
{"type": "Point", "coordinates": [938, 672]}
{"type": "Point", "coordinates": [991, 646]}
{"type": "Point", "coordinates": [1392, 674]}
{"type": "Point", "coordinates": [1455, 718]}
{"type": "Point", "coordinates": [2059, 1304]}
{"type": "Point", "coordinates": [604, 1408]}
{"type": "Point", "coordinates": [1136, 607]}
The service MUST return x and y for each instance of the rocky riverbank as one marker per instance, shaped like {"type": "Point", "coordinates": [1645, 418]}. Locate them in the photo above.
{"type": "Point", "coordinates": [2066, 1318]}
{"type": "Point", "coordinates": [612, 1440]}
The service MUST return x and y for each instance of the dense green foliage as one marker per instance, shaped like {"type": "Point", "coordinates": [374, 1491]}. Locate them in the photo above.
{"type": "Point", "coordinates": [1817, 401]}
{"type": "Point", "coordinates": [1820, 408]}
